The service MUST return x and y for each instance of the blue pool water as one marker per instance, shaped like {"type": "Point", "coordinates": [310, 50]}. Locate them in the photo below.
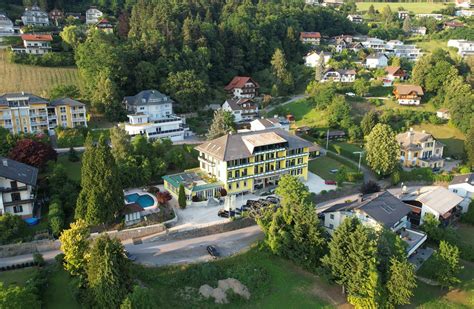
{"type": "Point", "coordinates": [144, 200]}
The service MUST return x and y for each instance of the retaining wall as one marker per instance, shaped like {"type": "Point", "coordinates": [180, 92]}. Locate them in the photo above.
{"type": "Point", "coordinates": [29, 247]}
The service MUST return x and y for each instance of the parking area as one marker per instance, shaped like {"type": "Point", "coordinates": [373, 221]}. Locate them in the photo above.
{"type": "Point", "coordinates": [316, 184]}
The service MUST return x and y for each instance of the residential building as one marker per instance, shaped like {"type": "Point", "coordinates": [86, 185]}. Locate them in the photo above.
{"type": "Point", "coordinates": [443, 113]}
{"type": "Point", "coordinates": [313, 38]}
{"type": "Point", "coordinates": [420, 149]}
{"type": "Point", "coordinates": [343, 42]}
{"type": "Point", "coordinates": [463, 185]}
{"type": "Point", "coordinates": [418, 30]}
{"type": "Point", "coordinates": [17, 188]}
{"type": "Point", "coordinates": [276, 122]}
{"type": "Point", "coordinates": [56, 16]}
{"type": "Point", "coordinates": [333, 3]}
{"type": "Point", "coordinates": [439, 201]}
{"type": "Point", "coordinates": [150, 113]}
{"type": "Point", "coordinates": [394, 73]}
{"type": "Point", "coordinates": [429, 15]}
{"type": "Point", "coordinates": [93, 15]}
{"type": "Point", "coordinates": [312, 58]}
{"type": "Point", "coordinates": [105, 26]}
{"type": "Point", "coordinates": [399, 49]}
{"type": "Point", "coordinates": [6, 25]}
{"type": "Point", "coordinates": [35, 44]}
{"type": "Point", "coordinates": [408, 94]}
{"type": "Point", "coordinates": [403, 14]}
{"type": "Point", "coordinates": [376, 44]}
{"type": "Point", "coordinates": [312, 2]}
{"type": "Point", "coordinates": [375, 61]}
{"type": "Point", "coordinates": [242, 87]}
{"type": "Point", "coordinates": [464, 47]}
{"type": "Point", "coordinates": [244, 110]}
{"type": "Point", "coordinates": [28, 113]}
{"type": "Point", "coordinates": [377, 210]}
{"type": "Point", "coordinates": [465, 13]}
{"type": "Point", "coordinates": [243, 162]}
{"type": "Point", "coordinates": [343, 76]}
{"type": "Point", "coordinates": [465, 4]}
{"type": "Point", "coordinates": [34, 16]}
{"type": "Point", "coordinates": [356, 19]}
{"type": "Point", "coordinates": [453, 24]}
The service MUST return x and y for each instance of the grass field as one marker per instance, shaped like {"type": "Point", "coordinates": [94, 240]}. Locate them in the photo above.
{"type": "Point", "coordinates": [73, 169]}
{"type": "Point", "coordinates": [323, 165]}
{"type": "Point", "coordinates": [59, 280]}
{"type": "Point", "coordinates": [17, 277]}
{"type": "Point", "coordinates": [417, 8]}
{"type": "Point", "coordinates": [446, 134]}
{"type": "Point", "coordinates": [34, 79]}
{"type": "Point", "coordinates": [304, 112]}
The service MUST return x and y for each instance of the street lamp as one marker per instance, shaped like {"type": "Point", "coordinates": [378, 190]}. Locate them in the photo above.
{"type": "Point", "coordinates": [360, 153]}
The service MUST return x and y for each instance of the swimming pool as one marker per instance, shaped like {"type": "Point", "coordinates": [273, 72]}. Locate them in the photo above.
{"type": "Point", "coordinates": [144, 200]}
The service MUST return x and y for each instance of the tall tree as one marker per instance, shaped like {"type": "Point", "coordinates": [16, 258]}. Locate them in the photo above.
{"type": "Point", "coordinates": [407, 25]}
{"type": "Point", "coordinates": [33, 153]}
{"type": "Point", "coordinates": [382, 149]}
{"type": "Point", "coordinates": [101, 196]}
{"type": "Point", "coordinates": [282, 77]}
{"type": "Point", "coordinates": [319, 69]}
{"type": "Point", "coordinates": [120, 142]}
{"type": "Point", "coordinates": [368, 122]}
{"type": "Point", "coordinates": [75, 245]}
{"type": "Point", "coordinates": [401, 282]}
{"type": "Point", "coordinates": [187, 88]}
{"type": "Point", "coordinates": [222, 124]}
{"type": "Point", "coordinates": [447, 262]}
{"type": "Point", "coordinates": [181, 196]}
{"type": "Point", "coordinates": [108, 272]}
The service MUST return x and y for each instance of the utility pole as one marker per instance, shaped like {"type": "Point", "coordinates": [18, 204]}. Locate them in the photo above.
{"type": "Point", "coordinates": [327, 140]}
{"type": "Point", "coordinates": [360, 157]}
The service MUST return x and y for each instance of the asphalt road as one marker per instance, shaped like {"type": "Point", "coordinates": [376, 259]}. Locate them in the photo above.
{"type": "Point", "coordinates": [160, 253]}
{"type": "Point", "coordinates": [193, 250]}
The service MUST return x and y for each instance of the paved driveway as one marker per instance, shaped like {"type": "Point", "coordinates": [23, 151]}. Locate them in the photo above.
{"type": "Point", "coordinates": [316, 184]}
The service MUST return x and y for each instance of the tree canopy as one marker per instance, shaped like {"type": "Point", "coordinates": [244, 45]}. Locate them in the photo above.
{"type": "Point", "coordinates": [382, 149]}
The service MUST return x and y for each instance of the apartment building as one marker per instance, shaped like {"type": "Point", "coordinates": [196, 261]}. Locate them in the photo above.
{"type": "Point", "coordinates": [17, 188]}
{"type": "Point", "coordinates": [28, 113]}
{"type": "Point", "coordinates": [150, 113]}
{"type": "Point", "coordinates": [34, 16]}
{"type": "Point", "coordinates": [464, 47]}
{"type": "Point", "coordinates": [243, 162]}
{"type": "Point", "coordinates": [420, 149]}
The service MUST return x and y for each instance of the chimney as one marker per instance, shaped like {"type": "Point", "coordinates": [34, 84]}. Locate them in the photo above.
{"type": "Point", "coordinates": [5, 162]}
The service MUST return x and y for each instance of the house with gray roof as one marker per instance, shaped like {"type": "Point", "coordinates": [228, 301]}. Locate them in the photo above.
{"type": "Point", "coordinates": [6, 25]}
{"type": "Point", "coordinates": [34, 16]}
{"type": "Point", "coordinates": [377, 210]}
{"type": "Point", "coordinates": [244, 110]}
{"type": "Point", "coordinates": [17, 188]}
{"type": "Point", "coordinates": [150, 113]}
{"type": "Point", "coordinates": [463, 185]}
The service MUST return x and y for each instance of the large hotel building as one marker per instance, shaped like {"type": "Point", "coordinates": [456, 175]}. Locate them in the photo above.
{"type": "Point", "coordinates": [242, 163]}
{"type": "Point", "coordinates": [28, 113]}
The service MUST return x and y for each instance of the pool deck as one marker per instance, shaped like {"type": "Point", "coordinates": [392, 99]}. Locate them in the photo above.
{"type": "Point", "coordinates": [139, 191]}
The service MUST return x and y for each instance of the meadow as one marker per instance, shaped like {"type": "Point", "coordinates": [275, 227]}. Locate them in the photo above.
{"type": "Point", "coordinates": [415, 7]}
{"type": "Point", "coordinates": [34, 79]}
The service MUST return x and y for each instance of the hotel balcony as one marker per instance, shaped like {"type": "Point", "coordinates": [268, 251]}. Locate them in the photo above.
{"type": "Point", "coordinates": [19, 202]}
{"type": "Point", "coordinates": [7, 190]}
{"type": "Point", "coordinates": [267, 173]}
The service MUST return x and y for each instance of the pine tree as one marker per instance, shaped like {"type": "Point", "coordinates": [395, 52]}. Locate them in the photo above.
{"type": "Point", "coordinates": [101, 196]}
{"type": "Point", "coordinates": [108, 272]}
{"type": "Point", "coordinates": [407, 24]}
{"type": "Point", "coordinates": [368, 122]}
{"type": "Point", "coordinates": [222, 124]}
{"type": "Point", "coordinates": [382, 149]}
{"type": "Point", "coordinates": [401, 282]}
{"type": "Point", "coordinates": [181, 196]}
{"type": "Point", "coordinates": [120, 141]}
{"type": "Point", "coordinates": [371, 10]}
{"type": "Point", "coordinates": [283, 78]}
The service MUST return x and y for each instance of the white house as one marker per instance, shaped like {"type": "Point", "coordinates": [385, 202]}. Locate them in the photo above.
{"type": "Point", "coordinates": [244, 110]}
{"type": "Point", "coordinates": [93, 15]}
{"type": "Point", "coordinates": [403, 14]}
{"type": "Point", "coordinates": [312, 58]}
{"type": "Point", "coordinates": [34, 16]}
{"type": "Point", "coordinates": [356, 19]}
{"type": "Point", "coordinates": [465, 4]}
{"type": "Point", "coordinates": [443, 113]}
{"type": "Point", "coordinates": [242, 87]}
{"type": "Point", "coordinates": [36, 44]}
{"type": "Point", "coordinates": [343, 76]}
{"type": "Point", "coordinates": [375, 61]}
{"type": "Point", "coordinates": [418, 30]}
{"type": "Point", "coordinates": [276, 122]}
{"type": "Point", "coordinates": [463, 185]}
{"type": "Point", "coordinates": [376, 44]}
{"type": "Point", "coordinates": [399, 49]}
{"type": "Point", "coordinates": [377, 210]}
{"type": "Point", "coordinates": [464, 13]}
{"type": "Point", "coordinates": [150, 113]}
{"type": "Point", "coordinates": [17, 188]}
{"type": "Point", "coordinates": [313, 38]}
{"type": "Point", "coordinates": [464, 47]}
{"type": "Point", "coordinates": [6, 25]}
{"type": "Point", "coordinates": [430, 15]}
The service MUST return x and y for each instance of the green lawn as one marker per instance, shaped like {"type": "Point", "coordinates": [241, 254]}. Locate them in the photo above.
{"type": "Point", "coordinates": [17, 276]}
{"type": "Point", "coordinates": [323, 165]}
{"type": "Point", "coordinates": [446, 134]}
{"type": "Point", "coordinates": [304, 112]}
{"type": "Point", "coordinates": [73, 169]}
{"type": "Point", "coordinates": [417, 8]}
{"type": "Point", "coordinates": [272, 282]}
{"type": "Point", "coordinates": [58, 294]}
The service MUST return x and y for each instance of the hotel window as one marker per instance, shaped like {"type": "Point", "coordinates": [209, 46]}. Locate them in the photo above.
{"type": "Point", "coordinates": [230, 186]}
{"type": "Point", "coordinates": [63, 118]}
{"type": "Point", "coordinates": [17, 209]}
{"type": "Point", "coordinates": [229, 174]}
{"type": "Point", "coordinates": [62, 109]}
{"type": "Point", "coordinates": [245, 183]}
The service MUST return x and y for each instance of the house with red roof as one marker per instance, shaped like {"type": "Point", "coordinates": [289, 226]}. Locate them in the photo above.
{"type": "Point", "coordinates": [313, 38]}
{"type": "Point", "coordinates": [105, 26]}
{"type": "Point", "coordinates": [242, 87]}
{"type": "Point", "coordinates": [36, 44]}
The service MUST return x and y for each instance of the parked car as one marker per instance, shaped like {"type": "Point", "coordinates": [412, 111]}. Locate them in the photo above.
{"type": "Point", "coordinates": [212, 250]}
{"type": "Point", "coordinates": [334, 171]}
{"type": "Point", "coordinates": [273, 199]}
{"type": "Point", "coordinates": [330, 182]}
{"type": "Point", "coordinates": [130, 256]}
{"type": "Point", "coordinates": [350, 94]}
{"type": "Point", "coordinates": [223, 213]}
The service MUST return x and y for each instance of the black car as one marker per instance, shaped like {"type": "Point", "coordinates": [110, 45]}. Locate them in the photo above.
{"type": "Point", "coordinates": [212, 250]}
{"type": "Point", "coordinates": [223, 213]}
{"type": "Point", "coordinates": [130, 256]}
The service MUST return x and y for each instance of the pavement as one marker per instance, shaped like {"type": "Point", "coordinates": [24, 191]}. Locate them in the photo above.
{"type": "Point", "coordinates": [193, 250]}
{"type": "Point", "coordinates": [316, 184]}
{"type": "Point", "coordinates": [19, 259]}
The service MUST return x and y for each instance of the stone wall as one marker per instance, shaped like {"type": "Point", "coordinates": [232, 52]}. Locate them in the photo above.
{"type": "Point", "coordinates": [135, 232]}
{"type": "Point", "coordinates": [29, 247]}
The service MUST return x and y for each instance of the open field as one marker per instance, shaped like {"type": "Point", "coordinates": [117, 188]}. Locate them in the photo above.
{"type": "Point", "coordinates": [304, 112]}
{"type": "Point", "coordinates": [73, 169]}
{"type": "Point", "coordinates": [59, 280]}
{"type": "Point", "coordinates": [446, 134]}
{"type": "Point", "coordinates": [323, 165]}
{"type": "Point", "coordinates": [34, 79]}
{"type": "Point", "coordinates": [17, 276]}
{"type": "Point", "coordinates": [417, 8]}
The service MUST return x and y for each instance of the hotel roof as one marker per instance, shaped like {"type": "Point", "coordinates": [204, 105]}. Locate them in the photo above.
{"type": "Point", "coordinates": [241, 145]}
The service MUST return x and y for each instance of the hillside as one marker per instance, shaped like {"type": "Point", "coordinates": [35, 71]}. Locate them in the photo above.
{"type": "Point", "coordinates": [416, 7]}
{"type": "Point", "coordinates": [35, 79]}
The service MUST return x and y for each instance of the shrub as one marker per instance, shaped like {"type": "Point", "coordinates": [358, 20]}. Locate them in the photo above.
{"type": "Point", "coordinates": [38, 259]}
{"type": "Point", "coordinates": [163, 197]}
{"type": "Point", "coordinates": [369, 187]}
{"type": "Point", "coordinates": [59, 259]}
{"type": "Point", "coordinates": [11, 228]}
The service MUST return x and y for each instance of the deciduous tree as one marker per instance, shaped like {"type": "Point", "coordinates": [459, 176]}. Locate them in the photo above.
{"type": "Point", "coordinates": [75, 245]}
{"type": "Point", "coordinates": [222, 123]}
{"type": "Point", "coordinates": [33, 153]}
{"type": "Point", "coordinates": [447, 262]}
{"type": "Point", "coordinates": [382, 149]}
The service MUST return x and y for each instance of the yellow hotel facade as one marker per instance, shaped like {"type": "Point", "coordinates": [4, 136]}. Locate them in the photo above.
{"type": "Point", "coordinates": [28, 113]}
{"type": "Point", "coordinates": [243, 162]}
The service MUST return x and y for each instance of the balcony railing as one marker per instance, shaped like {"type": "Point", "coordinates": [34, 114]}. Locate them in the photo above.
{"type": "Point", "coordinates": [267, 173]}
{"type": "Point", "coordinates": [6, 190]}
{"type": "Point", "coordinates": [20, 202]}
